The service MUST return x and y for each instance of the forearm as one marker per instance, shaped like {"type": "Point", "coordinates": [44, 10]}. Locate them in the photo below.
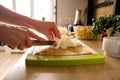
{"type": "Point", "coordinates": [9, 16]}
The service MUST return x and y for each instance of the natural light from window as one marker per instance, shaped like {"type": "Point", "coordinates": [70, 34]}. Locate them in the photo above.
{"type": "Point", "coordinates": [23, 7]}
{"type": "Point", "coordinates": [37, 9]}
{"type": "Point", "coordinates": [7, 3]}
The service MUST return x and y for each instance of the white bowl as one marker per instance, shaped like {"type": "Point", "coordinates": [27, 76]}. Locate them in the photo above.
{"type": "Point", "coordinates": [111, 45]}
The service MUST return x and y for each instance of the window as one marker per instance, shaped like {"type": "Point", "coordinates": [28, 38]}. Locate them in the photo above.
{"type": "Point", "coordinates": [7, 3]}
{"type": "Point", "coordinates": [37, 9]}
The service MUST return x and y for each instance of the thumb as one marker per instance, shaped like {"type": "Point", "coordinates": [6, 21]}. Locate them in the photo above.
{"type": "Point", "coordinates": [33, 35]}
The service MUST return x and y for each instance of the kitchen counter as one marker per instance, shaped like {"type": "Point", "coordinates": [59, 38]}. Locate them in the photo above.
{"type": "Point", "coordinates": [7, 61]}
{"type": "Point", "coordinates": [110, 70]}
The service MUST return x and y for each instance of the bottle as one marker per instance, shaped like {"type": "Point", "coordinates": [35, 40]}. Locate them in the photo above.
{"type": "Point", "coordinates": [77, 20]}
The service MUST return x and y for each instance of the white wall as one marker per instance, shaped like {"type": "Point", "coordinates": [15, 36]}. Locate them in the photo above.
{"type": "Point", "coordinates": [66, 10]}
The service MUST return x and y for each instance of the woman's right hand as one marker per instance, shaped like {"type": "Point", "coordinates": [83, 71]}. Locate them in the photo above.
{"type": "Point", "coordinates": [16, 36]}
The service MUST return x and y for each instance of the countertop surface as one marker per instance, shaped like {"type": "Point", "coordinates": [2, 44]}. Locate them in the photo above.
{"type": "Point", "coordinates": [110, 70]}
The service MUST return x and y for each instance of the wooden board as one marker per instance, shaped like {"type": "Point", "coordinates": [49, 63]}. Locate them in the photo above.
{"type": "Point", "coordinates": [45, 56]}
{"type": "Point", "coordinates": [48, 51]}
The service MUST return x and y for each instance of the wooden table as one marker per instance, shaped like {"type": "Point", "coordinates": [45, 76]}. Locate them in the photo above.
{"type": "Point", "coordinates": [110, 70]}
{"type": "Point", "coordinates": [7, 61]}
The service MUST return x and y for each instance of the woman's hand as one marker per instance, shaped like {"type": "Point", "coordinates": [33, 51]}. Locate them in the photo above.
{"type": "Point", "coordinates": [49, 29]}
{"type": "Point", "coordinates": [16, 36]}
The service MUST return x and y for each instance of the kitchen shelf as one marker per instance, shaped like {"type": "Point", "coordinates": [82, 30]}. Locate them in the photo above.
{"type": "Point", "coordinates": [103, 4]}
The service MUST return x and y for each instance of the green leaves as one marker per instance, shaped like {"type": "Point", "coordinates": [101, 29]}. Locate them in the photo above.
{"type": "Point", "coordinates": [104, 23]}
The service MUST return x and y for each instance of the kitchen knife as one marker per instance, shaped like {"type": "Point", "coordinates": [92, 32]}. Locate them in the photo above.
{"type": "Point", "coordinates": [40, 43]}
{"type": "Point", "coordinates": [37, 43]}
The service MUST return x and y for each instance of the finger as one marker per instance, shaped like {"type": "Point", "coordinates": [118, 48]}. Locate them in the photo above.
{"type": "Point", "coordinates": [56, 32]}
{"type": "Point", "coordinates": [28, 42]}
{"type": "Point", "coordinates": [50, 35]}
{"type": "Point", "coordinates": [11, 47]}
{"type": "Point", "coordinates": [31, 34]}
{"type": "Point", "coordinates": [53, 33]}
{"type": "Point", "coordinates": [21, 47]}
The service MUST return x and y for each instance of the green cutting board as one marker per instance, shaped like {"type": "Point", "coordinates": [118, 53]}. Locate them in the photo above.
{"type": "Point", "coordinates": [64, 60]}
{"type": "Point", "coordinates": [47, 59]}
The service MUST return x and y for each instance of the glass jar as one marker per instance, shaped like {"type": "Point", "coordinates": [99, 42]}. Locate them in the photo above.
{"type": "Point", "coordinates": [83, 32]}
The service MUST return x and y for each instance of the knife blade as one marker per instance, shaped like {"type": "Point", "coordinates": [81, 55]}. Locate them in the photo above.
{"type": "Point", "coordinates": [40, 43]}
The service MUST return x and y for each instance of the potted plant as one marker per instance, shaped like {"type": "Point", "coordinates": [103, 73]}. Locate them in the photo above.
{"type": "Point", "coordinates": [106, 26]}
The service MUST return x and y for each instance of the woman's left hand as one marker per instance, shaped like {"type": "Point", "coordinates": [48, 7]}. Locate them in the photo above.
{"type": "Point", "coordinates": [49, 29]}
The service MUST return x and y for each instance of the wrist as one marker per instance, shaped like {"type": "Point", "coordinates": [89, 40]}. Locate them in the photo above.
{"type": "Point", "coordinates": [35, 24]}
